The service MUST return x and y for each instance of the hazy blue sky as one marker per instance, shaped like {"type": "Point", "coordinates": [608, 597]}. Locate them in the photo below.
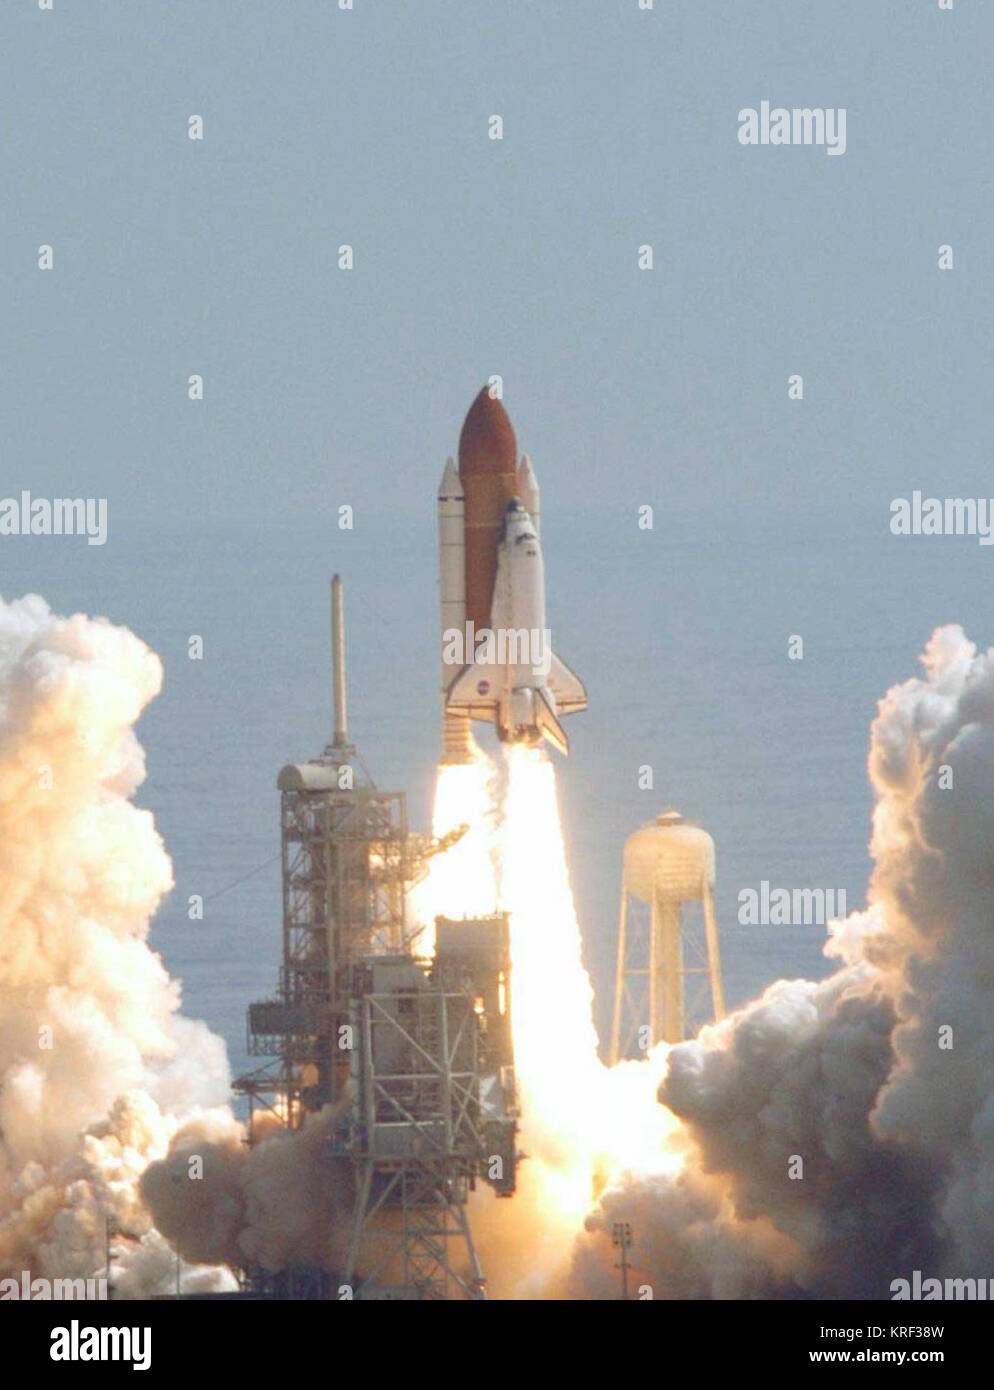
{"type": "Point", "coordinates": [473, 256]}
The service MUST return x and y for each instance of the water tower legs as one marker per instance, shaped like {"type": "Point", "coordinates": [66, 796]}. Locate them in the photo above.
{"type": "Point", "coordinates": [666, 972]}
{"type": "Point", "coordinates": [619, 980]}
{"type": "Point", "coordinates": [667, 864]}
{"type": "Point", "coordinates": [714, 957]}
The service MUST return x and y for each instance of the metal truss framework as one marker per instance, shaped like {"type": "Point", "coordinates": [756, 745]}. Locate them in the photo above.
{"type": "Point", "coordinates": [418, 1142]}
{"type": "Point", "coordinates": [669, 973]}
{"type": "Point", "coordinates": [417, 1062]}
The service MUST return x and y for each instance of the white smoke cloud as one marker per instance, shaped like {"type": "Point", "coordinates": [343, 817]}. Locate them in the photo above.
{"type": "Point", "coordinates": [284, 1202]}
{"type": "Point", "coordinates": [896, 1132]}
{"type": "Point", "coordinates": [97, 1066]}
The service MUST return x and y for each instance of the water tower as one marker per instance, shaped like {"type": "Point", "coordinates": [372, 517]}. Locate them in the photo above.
{"type": "Point", "coordinates": [667, 863]}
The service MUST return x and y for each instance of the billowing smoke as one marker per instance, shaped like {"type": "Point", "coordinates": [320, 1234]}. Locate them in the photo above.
{"type": "Point", "coordinates": [285, 1202]}
{"type": "Point", "coordinates": [823, 1141]}
{"type": "Point", "coordinates": [113, 1106]}
{"type": "Point", "coordinates": [97, 1065]}
{"type": "Point", "coordinates": [842, 1133]}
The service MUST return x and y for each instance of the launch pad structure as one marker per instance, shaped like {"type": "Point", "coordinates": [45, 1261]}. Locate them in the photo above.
{"type": "Point", "coordinates": [411, 1059]}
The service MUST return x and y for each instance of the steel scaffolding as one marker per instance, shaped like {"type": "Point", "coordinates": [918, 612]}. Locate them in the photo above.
{"type": "Point", "coordinates": [415, 1054]}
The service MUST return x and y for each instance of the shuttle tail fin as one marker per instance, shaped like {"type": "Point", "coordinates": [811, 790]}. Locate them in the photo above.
{"type": "Point", "coordinates": [548, 724]}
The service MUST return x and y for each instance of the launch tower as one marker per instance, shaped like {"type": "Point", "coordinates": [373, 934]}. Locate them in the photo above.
{"type": "Point", "coordinates": [413, 1055]}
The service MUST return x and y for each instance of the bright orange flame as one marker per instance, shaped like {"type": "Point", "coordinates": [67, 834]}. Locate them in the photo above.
{"type": "Point", "coordinates": [555, 1044]}
{"type": "Point", "coordinates": [461, 881]}
{"type": "Point", "coordinates": [580, 1117]}
{"type": "Point", "coordinates": [582, 1124]}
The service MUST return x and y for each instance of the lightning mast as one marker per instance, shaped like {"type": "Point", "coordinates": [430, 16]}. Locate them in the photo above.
{"type": "Point", "coordinates": [413, 1056]}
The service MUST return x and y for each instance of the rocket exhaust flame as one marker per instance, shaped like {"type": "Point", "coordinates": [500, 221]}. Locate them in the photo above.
{"type": "Point", "coordinates": [554, 1038]}
{"type": "Point", "coordinates": [878, 1078]}
{"type": "Point", "coordinates": [581, 1123]}
{"type": "Point", "coordinates": [857, 1076]}
{"type": "Point", "coordinates": [580, 1107]}
{"type": "Point", "coordinates": [462, 881]}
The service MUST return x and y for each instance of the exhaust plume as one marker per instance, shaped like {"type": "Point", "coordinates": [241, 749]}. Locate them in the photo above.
{"type": "Point", "coordinates": [823, 1141]}
{"type": "Point", "coordinates": [880, 1079]}
{"type": "Point", "coordinates": [97, 1065]}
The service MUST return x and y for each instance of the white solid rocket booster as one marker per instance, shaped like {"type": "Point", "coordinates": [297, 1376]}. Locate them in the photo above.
{"type": "Point", "coordinates": [452, 599]}
{"type": "Point", "coordinates": [451, 557]}
{"type": "Point", "coordinates": [528, 491]}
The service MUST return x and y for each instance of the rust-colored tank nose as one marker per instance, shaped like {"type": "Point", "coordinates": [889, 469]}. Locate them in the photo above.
{"type": "Point", "coordinates": [488, 462]}
{"type": "Point", "coordinates": [487, 443]}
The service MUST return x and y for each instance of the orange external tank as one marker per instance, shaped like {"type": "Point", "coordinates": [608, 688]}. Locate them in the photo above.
{"type": "Point", "coordinates": [488, 471]}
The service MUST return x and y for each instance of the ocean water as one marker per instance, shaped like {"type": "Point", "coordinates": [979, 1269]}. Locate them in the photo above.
{"type": "Point", "coordinates": [680, 634]}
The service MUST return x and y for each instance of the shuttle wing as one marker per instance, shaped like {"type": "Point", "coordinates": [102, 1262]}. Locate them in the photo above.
{"type": "Point", "coordinates": [476, 690]}
{"type": "Point", "coordinates": [567, 689]}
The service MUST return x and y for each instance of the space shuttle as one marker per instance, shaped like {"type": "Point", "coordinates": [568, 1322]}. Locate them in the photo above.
{"type": "Point", "coordinates": [497, 659]}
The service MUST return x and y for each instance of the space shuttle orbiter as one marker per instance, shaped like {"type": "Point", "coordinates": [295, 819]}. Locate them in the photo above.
{"type": "Point", "coordinates": [492, 583]}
